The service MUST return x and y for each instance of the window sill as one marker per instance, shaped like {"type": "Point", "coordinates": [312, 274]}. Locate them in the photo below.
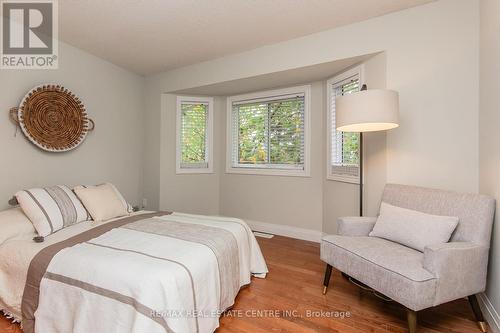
{"type": "Point", "coordinates": [193, 171]}
{"type": "Point", "coordinates": [343, 179]}
{"type": "Point", "coordinates": [268, 172]}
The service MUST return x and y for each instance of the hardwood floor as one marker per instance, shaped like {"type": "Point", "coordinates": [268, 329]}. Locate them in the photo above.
{"type": "Point", "coordinates": [7, 327]}
{"type": "Point", "coordinates": [290, 300]}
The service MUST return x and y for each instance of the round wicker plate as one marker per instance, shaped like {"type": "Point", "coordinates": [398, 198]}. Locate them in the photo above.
{"type": "Point", "coordinates": [53, 118]}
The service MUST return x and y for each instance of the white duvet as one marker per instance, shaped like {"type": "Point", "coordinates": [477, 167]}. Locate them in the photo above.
{"type": "Point", "coordinates": [145, 278]}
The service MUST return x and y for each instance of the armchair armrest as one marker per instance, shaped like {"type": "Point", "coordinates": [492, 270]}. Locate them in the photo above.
{"type": "Point", "coordinates": [460, 269]}
{"type": "Point", "coordinates": [355, 225]}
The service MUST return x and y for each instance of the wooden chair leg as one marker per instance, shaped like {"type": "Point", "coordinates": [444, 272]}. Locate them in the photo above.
{"type": "Point", "coordinates": [477, 313]}
{"type": "Point", "coordinates": [412, 320]}
{"type": "Point", "coordinates": [326, 281]}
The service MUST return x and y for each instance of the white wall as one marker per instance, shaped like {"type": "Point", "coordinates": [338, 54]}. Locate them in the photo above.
{"type": "Point", "coordinates": [489, 134]}
{"type": "Point", "coordinates": [114, 100]}
{"type": "Point", "coordinates": [432, 60]}
{"type": "Point", "coordinates": [305, 202]}
{"type": "Point", "coordinates": [293, 201]}
{"type": "Point", "coordinates": [311, 202]}
{"type": "Point", "coordinates": [189, 193]}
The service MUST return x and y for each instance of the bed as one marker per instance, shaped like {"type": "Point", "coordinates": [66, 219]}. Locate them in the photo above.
{"type": "Point", "coordinates": [148, 272]}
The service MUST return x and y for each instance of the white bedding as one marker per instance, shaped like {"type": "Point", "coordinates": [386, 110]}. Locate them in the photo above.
{"type": "Point", "coordinates": [16, 255]}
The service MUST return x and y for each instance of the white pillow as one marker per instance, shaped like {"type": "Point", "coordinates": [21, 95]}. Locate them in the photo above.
{"type": "Point", "coordinates": [412, 228]}
{"type": "Point", "coordinates": [127, 205]}
{"type": "Point", "coordinates": [14, 223]}
{"type": "Point", "coordinates": [51, 208]}
{"type": "Point", "coordinates": [103, 202]}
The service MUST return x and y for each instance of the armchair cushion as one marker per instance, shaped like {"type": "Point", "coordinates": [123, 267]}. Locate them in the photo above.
{"type": "Point", "coordinates": [355, 225]}
{"type": "Point", "coordinates": [413, 228]}
{"type": "Point", "coordinates": [390, 268]}
{"type": "Point", "coordinates": [460, 267]}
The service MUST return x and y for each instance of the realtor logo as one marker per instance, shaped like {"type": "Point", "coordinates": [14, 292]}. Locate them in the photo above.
{"type": "Point", "coordinates": [29, 34]}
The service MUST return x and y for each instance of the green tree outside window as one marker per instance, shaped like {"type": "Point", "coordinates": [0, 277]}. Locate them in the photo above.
{"type": "Point", "coordinates": [271, 132]}
{"type": "Point", "coordinates": [194, 133]}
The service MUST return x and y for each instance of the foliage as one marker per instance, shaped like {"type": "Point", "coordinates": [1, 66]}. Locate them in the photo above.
{"type": "Point", "coordinates": [193, 136]}
{"type": "Point", "coordinates": [271, 133]}
{"type": "Point", "coordinates": [350, 141]}
{"type": "Point", "coordinates": [350, 148]}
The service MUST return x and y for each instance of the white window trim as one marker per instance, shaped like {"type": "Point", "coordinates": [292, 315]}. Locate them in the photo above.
{"type": "Point", "coordinates": [358, 70]}
{"type": "Point", "coordinates": [269, 170]}
{"type": "Point", "coordinates": [210, 132]}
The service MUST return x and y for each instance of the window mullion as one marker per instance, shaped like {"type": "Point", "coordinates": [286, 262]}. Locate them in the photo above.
{"type": "Point", "coordinates": [268, 131]}
{"type": "Point", "coordinates": [236, 128]}
{"type": "Point", "coordinates": [206, 135]}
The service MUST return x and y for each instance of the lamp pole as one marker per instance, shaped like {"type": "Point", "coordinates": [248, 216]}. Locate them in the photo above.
{"type": "Point", "coordinates": [361, 174]}
{"type": "Point", "coordinates": [364, 87]}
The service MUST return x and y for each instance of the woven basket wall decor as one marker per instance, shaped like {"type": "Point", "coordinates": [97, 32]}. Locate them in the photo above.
{"type": "Point", "coordinates": [53, 118]}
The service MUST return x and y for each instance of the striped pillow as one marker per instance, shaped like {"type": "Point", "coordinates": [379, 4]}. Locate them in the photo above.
{"type": "Point", "coordinates": [51, 208]}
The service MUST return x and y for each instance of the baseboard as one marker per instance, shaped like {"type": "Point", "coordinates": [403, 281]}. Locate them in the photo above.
{"type": "Point", "coordinates": [489, 313]}
{"type": "Point", "coordinates": [286, 230]}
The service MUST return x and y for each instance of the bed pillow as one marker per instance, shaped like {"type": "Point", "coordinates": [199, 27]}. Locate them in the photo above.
{"type": "Point", "coordinates": [51, 208]}
{"type": "Point", "coordinates": [413, 228]}
{"type": "Point", "coordinates": [14, 223]}
{"type": "Point", "coordinates": [103, 202]}
{"type": "Point", "coordinates": [127, 205]}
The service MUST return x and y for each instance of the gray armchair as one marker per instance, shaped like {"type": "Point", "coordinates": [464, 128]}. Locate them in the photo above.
{"type": "Point", "coordinates": [442, 273]}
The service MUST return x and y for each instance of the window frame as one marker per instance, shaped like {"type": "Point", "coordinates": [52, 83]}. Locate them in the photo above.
{"type": "Point", "coordinates": [359, 71]}
{"type": "Point", "coordinates": [209, 146]}
{"type": "Point", "coordinates": [268, 169]}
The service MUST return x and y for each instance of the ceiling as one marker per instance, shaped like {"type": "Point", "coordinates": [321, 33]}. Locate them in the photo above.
{"type": "Point", "coordinates": [277, 79]}
{"type": "Point", "coordinates": [150, 36]}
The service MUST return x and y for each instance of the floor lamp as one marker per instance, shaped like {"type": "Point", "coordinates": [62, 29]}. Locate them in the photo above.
{"type": "Point", "coordinates": [366, 111]}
